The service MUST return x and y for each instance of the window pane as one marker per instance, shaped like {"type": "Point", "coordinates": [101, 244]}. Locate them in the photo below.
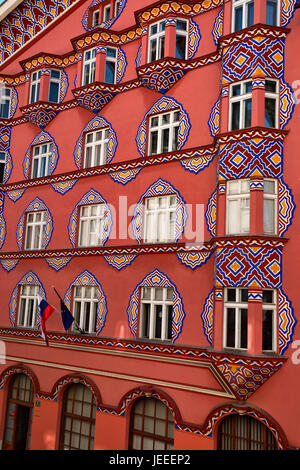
{"type": "Point", "coordinates": [235, 117]}
{"type": "Point", "coordinates": [231, 295]}
{"type": "Point", "coordinates": [230, 333]}
{"type": "Point", "coordinates": [145, 320]}
{"type": "Point", "coordinates": [268, 296]}
{"type": "Point", "coordinates": [110, 68]}
{"type": "Point", "coordinates": [271, 12]}
{"type": "Point", "coordinates": [247, 110]}
{"type": "Point", "coordinates": [158, 321]}
{"type": "Point", "coordinates": [250, 14]}
{"type": "Point", "coordinates": [238, 18]}
{"type": "Point", "coordinates": [165, 140]}
{"type": "Point", "coordinates": [269, 216]}
{"type": "Point", "coordinates": [244, 328]}
{"type": "Point", "coordinates": [267, 338]}
{"type": "Point", "coordinates": [153, 142]}
{"type": "Point", "coordinates": [180, 46]}
{"type": "Point", "coordinates": [233, 216]}
{"type": "Point", "coordinates": [270, 112]}
{"type": "Point", "coordinates": [53, 92]}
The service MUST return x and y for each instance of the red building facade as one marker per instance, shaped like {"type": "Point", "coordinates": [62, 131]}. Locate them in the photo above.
{"type": "Point", "coordinates": [149, 174]}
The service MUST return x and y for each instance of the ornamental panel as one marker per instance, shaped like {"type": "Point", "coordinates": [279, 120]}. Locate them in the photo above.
{"type": "Point", "coordinates": [36, 205]}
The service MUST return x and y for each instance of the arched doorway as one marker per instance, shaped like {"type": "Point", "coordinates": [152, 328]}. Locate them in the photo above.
{"type": "Point", "coordinates": [151, 425]}
{"type": "Point", "coordinates": [242, 432]}
{"type": "Point", "coordinates": [78, 418]}
{"type": "Point", "coordinates": [19, 413]}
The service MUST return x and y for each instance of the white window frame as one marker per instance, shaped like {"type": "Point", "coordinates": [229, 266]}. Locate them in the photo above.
{"type": "Point", "coordinates": [242, 98]}
{"type": "Point", "coordinates": [278, 11]}
{"type": "Point", "coordinates": [38, 223]}
{"type": "Point", "coordinates": [27, 299]}
{"type": "Point", "coordinates": [157, 38]}
{"type": "Point", "coordinates": [273, 307]}
{"type": "Point", "coordinates": [180, 32]}
{"type": "Point", "coordinates": [238, 306]}
{"type": "Point", "coordinates": [3, 157]}
{"type": "Point", "coordinates": [163, 207]}
{"type": "Point", "coordinates": [54, 80]}
{"type": "Point", "coordinates": [160, 127]}
{"type": "Point", "coordinates": [83, 295]}
{"type": "Point", "coordinates": [93, 145]}
{"type": "Point", "coordinates": [164, 302]}
{"type": "Point", "coordinates": [95, 22]}
{"type": "Point", "coordinates": [35, 82]}
{"type": "Point", "coordinates": [39, 157]}
{"type": "Point", "coordinates": [240, 197]}
{"type": "Point", "coordinates": [274, 197]}
{"type": "Point", "coordinates": [117, 5]}
{"type": "Point", "coordinates": [243, 4]}
{"type": "Point", "coordinates": [85, 239]}
{"type": "Point", "coordinates": [5, 97]}
{"type": "Point", "coordinates": [91, 62]}
{"type": "Point", "coordinates": [114, 60]}
{"type": "Point", "coordinates": [274, 96]}
{"type": "Point", "coordinates": [105, 16]}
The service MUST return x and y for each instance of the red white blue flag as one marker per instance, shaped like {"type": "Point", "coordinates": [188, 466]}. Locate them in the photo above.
{"type": "Point", "coordinates": [45, 311]}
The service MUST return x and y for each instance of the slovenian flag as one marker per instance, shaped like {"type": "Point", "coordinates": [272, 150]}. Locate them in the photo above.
{"type": "Point", "coordinates": [45, 311]}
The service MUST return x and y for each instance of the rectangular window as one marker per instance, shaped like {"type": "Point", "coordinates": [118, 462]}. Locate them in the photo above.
{"type": "Point", "coordinates": [117, 7]}
{"type": "Point", "coordinates": [89, 66]}
{"type": "Point", "coordinates": [2, 166]}
{"type": "Point", "coordinates": [160, 218]}
{"type": "Point", "coordinates": [95, 18]}
{"type": "Point", "coordinates": [270, 207]}
{"type": "Point", "coordinates": [156, 313]}
{"type": "Point", "coordinates": [273, 13]}
{"type": "Point", "coordinates": [91, 225]}
{"type": "Point", "coordinates": [35, 87]}
{"type": "Point", "coordinates": [106, 13]}
{"type": "Point", "coordinates": [86, 300]}
{"type": "Point", "coordinates": [238, 207]}
{"type": "Point", "coordinates": [28, 306]}
{"type": "Point", "coordinates": [181, 43]}
{"type": "Point", "coordinates": [271, 103]}
{"type": "Point", "coordinates": [236, 318]}
{"type": "Point", "coordinates": [35, 230]}
{"type": "Point", "coordinates": [41, 160]}
{"type": "Point", "coordinates": [240, 105]}
{"type": "Point", "coordinates": [163, 133]}
{"type": "Point", "coordinates": [110, 65]}
{"type": "Point", "coordinates": [95, 151]}
{"type": "Point", "coordinates": [54, 85]}
{"type": "Point", "coordinates": [269, 321]}
{"type": "Point", "coordinates": [5, 97]}
{"type": "Point", "coordinates": [156, 44]}
{"type": "Point", "coordinates": [242, 14]}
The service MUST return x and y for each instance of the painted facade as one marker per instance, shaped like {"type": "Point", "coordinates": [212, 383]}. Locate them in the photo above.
{"type": "Point", "coordinates": [190, 370]}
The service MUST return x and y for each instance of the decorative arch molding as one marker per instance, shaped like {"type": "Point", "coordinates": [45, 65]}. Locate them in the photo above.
{"type": "Point", "coordinates": [61, 384]}
{"type": "Point", "coordinates": [36, 205]}
{"type": "Point", "coordinates": [95, 124]}
{"type": "Point", "coordinates": [159, 188]}
{"type": "Point", "coordinates": [28, 279]}
{"type": "Point", "coordinates": [217, 414]}
{"type": "Point", "coordinates": [7, 375]}
{"type": "Point", "coordinates": [87, 279]}
{"type": "Point", "coordinates": [104, 24]}
{"type": "Point", "coordinates": [91, 197]}
{"type": "Point", "coordinates": [156, 279]}
{"type": "Point", "coordinates": [162, 105]}
{"type": "Point", "coordinates": [42, 138]}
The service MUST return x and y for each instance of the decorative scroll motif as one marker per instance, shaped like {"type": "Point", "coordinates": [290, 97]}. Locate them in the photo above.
{"type": "Point", "coordinates": [286, 207]}
{"type": "Point", "coordinates": [64, 381]}
{"type": "Point", "coordinates": [159, 188]}
{"type": "Point", "coordinates": [87, 279]}
{"type": "Point", "coordinates": [287, 12]}
{"type": "Point", "coordinates": [254, 56]}
{"type": "Point", "coordinates": [251, 156]}
{"type": "Point", "coordinates": [287, 103]}
{"type": "Point", "coordinates": [30, 279]}
{"type": "Point", "coordinates": [36, 205]}
{"type": "Point", "coordinates": [197, 163]}
{"type": "Point", "coordinates": [125, 176]}
{"type": "Point", "coordinates": [245, 376]}
{"type": "Point", "coordinates": [58, 263]}
{"type": "Point", "coordinates": [91, 197]}
{"type": "Point", "coordinates": [119, 261]}
{"type": "Point", "coordinates": [42, 138]}
{"type": "Point", "coordinates": [9, 264]}
{"type": "Point", "coordinates": [161, 106]}
{"type": "Point", "coordinates": [105, 24]}
{"type": "Point", "coordinates": [121, 65]}
{"type": "Point", "coordinates": [194, 38]}
{"type": "Point", "coordinates": [214, 119]}
{"type": "Point", "coordinates": [2, 220]}
{"type": "Point", "coordinates": [5, 136]}
{"type": "Point", "coordinates": [217, 31]}
{"type": "Point", "coordinates": [194, 259]}
{"type": "Point", "coordinates": [64, 85]}
{"type": "Point", "coordinates": [64, 187]}
{"type": "Point", "coordinates": [13, 103]}
{"type": "Point", "coordinates": [249, 267]}
{"type": "Point", "coordinates": [95, 124]}
{"type": "Point", "coordinates": [15, 195]}
{"type": "Point", "coordinates": [211, 214]}
{"type": "Point", "coordinates": [207, 317]}
{"type": "Point", "coordinates": [142, 393]}
{"type": "Point", "coordinates": [156, 279]}
{"type": "Point", "coordinates": [286, 321]}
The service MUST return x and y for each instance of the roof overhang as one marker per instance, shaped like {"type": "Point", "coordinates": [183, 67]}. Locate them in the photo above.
{"type": "Point", "coordinates": [7, 6]}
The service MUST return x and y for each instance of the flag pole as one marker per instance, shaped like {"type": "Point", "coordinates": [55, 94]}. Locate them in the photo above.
{"type": "Point", "coordinates": [75, 322]}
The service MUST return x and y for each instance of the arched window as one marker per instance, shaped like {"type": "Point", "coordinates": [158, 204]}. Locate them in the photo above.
{"type": "Point", "coordinates": [151, 425]}
{"type": "Point", "coordinates": [238, 432]}
{"type": "Point", "coordinates": [19, 413]}
{"type": "Point", "coordinates": [78, 419]}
